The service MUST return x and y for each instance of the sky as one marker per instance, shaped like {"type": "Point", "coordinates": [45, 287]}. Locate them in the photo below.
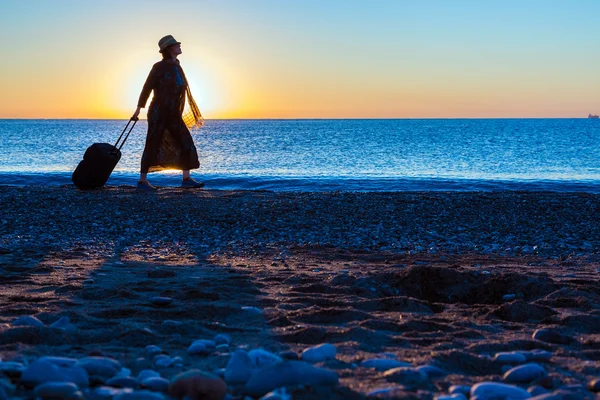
{"type": "Point", "coordinates": [306, 58]}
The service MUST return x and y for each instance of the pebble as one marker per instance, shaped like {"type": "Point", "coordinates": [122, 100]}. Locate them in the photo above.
{"type": "Point", "coordinates": [551, 336]}
{"type": "Point", "coordinates": [171, 324]}
{"type": "Point", "coordinates": [383, 364]}
{"type": "Point", "coordinates": [488, 390]}
{"type": "Point", "coordinates": [107, 392]}
{"type": "Point", "coordinates": [146, 374]}
{"type": "Point", "coordinates": [322, 352]}
{"type": "Point", "coordinates": [161, 301]}
{"type": "Point", "coordinates": [156, 384]}
{"type": "Point", "coordinates": [431, 371]}
{"type": "Point", "coordinates": [459, 389]}
{"type": "Point", "coordinates": [12, 369]}
{"type": "Point", "coordinates": [100, 366]}
{"type": "Point", "coordinates": [40, 372]}
{"type": "Point", "coordinates": [60, 361]}
{"type": "Point", "coordinates": [594, 385]}
{"type": "Point", "coordinates": [152, 350]}
{"type": "Point", "coordinates": [202, 347]}
{"type": "Point", "coordinates": [252, 310]}
{"type": "Point", "coordinates": [139, 395]}
{"type": "Point", "coordinates": [525, 373]}
{"type": "Point", "coordinates": [222, 338]}
{"type": "Point", "coordinates": [537, 355]}
{"type": "Point", "coordinates": [64, 324]}
{"type": "Point", "coordinates": [58, 390]}
{"type": "Point", "coordinates": [508, 297]}
{"type": "Point", "coordinates": [262, 358]}
{"type": "Point", "coordinates": [123, 382]}
{"type": "Point", "coordinates": [406, 375]}
{"type": "Point", "coordinates": [537, 390]}
{"type": "Point", "coordinates": [279, 394]}
{"type": "Point", "coordinates": [222, 348]}
{"type": "Point", "coordinates": [513, 357]}
{"type": "Point", "coordinates": [457, 396]}
{"type": "Point", "coordinates": [27, 320]}
{"type": "Point", "coordinates": [288, 373]}
{"type": "Point", "coordinates": [550, 396]}
{"type": "Point", "coordinates": [162, 361]}
{"type": "Point", "coordinates": [239, 368]}
{"type": "Point", "coordinates": [197, 385]}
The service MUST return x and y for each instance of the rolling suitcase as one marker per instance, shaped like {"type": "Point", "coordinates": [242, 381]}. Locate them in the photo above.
{"type": "Point", "coordinates": [99, 161]}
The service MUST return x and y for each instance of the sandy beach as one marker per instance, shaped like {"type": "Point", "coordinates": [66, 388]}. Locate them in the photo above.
{"type": "Point", "coordinates": [443, 282]}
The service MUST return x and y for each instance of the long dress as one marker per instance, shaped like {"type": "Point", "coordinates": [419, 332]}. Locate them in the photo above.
{"type": "Point", "coordinates": [169, 144]}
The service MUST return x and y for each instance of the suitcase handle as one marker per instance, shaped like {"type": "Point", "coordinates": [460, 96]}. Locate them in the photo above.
{"type": "Point", "coordinates": [126, 136]}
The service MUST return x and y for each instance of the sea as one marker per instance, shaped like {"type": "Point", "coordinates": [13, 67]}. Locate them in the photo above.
{"type": "Point", "coordinates": [382, 155]}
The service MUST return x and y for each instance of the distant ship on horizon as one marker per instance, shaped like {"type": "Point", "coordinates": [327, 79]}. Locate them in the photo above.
{"type": "Point", "coordinates": [593, 116]}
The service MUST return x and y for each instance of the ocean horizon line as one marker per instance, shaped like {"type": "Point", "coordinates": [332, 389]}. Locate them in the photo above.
{"type": "Point", "coordinates": [310, 119]}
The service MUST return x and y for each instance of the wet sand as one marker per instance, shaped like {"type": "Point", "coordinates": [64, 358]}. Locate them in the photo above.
{"type": "Point", "coordinates": [445, 279]}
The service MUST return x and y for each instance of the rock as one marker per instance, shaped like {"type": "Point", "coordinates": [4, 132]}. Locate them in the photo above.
{"type": "Point", "coordinates": [431, 371]}
{"type": "Point", "coordinates": [147, 373]}
{"type": "Point", "coordinates": [156, 384]}
{"type": "Point", "coordinates": [107, 393]}
{"type": "Point", "coordinates": [513, 357]}
{"type": "Point", "coordinates": [459, 389]}
{"type": "Point", "coordinates": [489, 390]}
{"type": "Point", "coordinates": [319, 353]}
{"type": "Point", "coordinates": [162, 361]}
{"type": "Point", "coordinates": [537, 390]}
{"type": "Point", "coordinates": [524, 373]}
{"type": "Point", "coordinates": [537, 355]}
{"type": "Point", "coordinates": [261, 358]}
{"type": "Point", "coordinates": [123, 382]}
{"type": "Point", "coordinates": [288, 373]}
{"type": "Point", "coordinates": [279, 394]}
{"type": "Point", "coordinates": [152, 350]}
{"type": "Point", "coordinates": [202, 347]}
{"type": "Point", "coordinates": [60, 361]}
{"type": "Point", "coordinates": [239, 369]}
{"type": "Point", "coordinates": [12, 369]}
{"type": "Point", "coordinates": [28, 320]}
{"type": "Point", "coordinates": [64, 324]}
{"type": "Point", "coordinates": [551, 336]}
{"type": "Point", "coordinates": [161, 301]}
{"type": "Point", "coordinates": [222, 338]}
{"type": "Point", "coordinates": [252, 310]}
{"type": "Point", "coordinates": [508, 297]}
{"type": "Point", "coordinates": [58, 390]}
{"type": "Point", "coordinates": [222, 348]}
{"type": "Point", "coordinates": [40, 372]}
{"type": "Point", "coordinates": [100, 366]}
{"type": "Point", "coordinates": [407, 376]}
{"type": "Point", "coordinates": [594, 385]}
{"type": "Point", "coordinates": [289, 355]}
{"type": "Point", "coordinates": [139, 395]}
{"type": "Point", "coordinates": [125, 372]}
{"type": "Point", "coordinates": [457, 396]}
{"type": "Point", "coordinates": [551, 396]}
{"type": "Point", "coordinates": [197, 385]}
{"type": "Point", "coordinates": [383, 364]}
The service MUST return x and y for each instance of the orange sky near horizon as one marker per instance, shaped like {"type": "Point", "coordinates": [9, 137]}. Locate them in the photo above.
{"type": "Point", "coordinates": [310, 59]}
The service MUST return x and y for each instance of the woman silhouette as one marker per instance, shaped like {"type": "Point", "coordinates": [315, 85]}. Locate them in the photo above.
{"type": "Point", "coordinates": [169, 144]}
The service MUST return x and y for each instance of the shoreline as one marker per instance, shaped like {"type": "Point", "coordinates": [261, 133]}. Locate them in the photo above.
{"type": "Point", "coordinates": [415, 278]}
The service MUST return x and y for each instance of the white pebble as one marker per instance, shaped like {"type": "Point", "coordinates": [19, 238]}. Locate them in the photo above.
{"type": "Point", "coordinates": [319, 353]}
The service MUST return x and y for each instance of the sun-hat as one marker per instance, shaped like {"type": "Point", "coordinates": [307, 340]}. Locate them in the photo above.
{"type": "Point", "coordinates": [165, 42]}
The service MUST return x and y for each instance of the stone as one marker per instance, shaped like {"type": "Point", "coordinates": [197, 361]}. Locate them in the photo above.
{"type": "Point", "coordinates": [240, 367]}
{"type": "Point", "coordinates": [279, 394]}
{"type": "Point", "coordinates": [525, 373]}
{"type": "Point", "coordinates": [60, 361]}
{"type": "Point", "coordinates": [152, 350]}
{"type": "Point", "coordinates": [537, 390]}
{"type": "Point", "coordinates": [162, 361]}
{"type": "Point", "coordinates": [123, 382]}
{"type": "Point", "coordinates": [537, 355]}
{"type": "Point", "coordinates": [222, 348]}
{"type": "Point", "coordinates": [202, 347]}
{"type": "Point", "coordinates": [456, 396]}
{"type": "Point", "coordinates": [322, 352]}
{"type": "Point", "coordinates": [58, 390]}
{"type": "Point", "coordinates": [488, 390]}
{"type": "Point", "coordinates": [28, 320]}
{"type": "Point", "coordinates": [252, 310]}
{"type": "Point", "coordinates": [551, 396]}
{"type": "Point", "coordinates": [407, 376]}
{"type": "Point", "coordinates": [107, 392]}
{"type": "Point", "coordinates": [139, 395]}
{"type": "Point", "coordinates": [100, 366]}
{"type": "Point", "coordinates": [288, 373]}
{"type": "Point", "coordinates": [40, 372]}
{"type": "Point", "coordinates": [222, 338]}
{"type": "Point", "coordinates": [262, 357]}
{"type": "Point", "coordinates": [156, 384]}
{"type": "Point", "coordinates": [197, 385]}
{"type": "Point", "coordinates": [594, 385]}
{"type": "Point", "coordinates": [64, 324]}
{"type": "Point", "coordinates": [431, 371]}
{"type": "Point", "coordinates": [551, 336]}
{"type": "Point", "coordinates": [12, 369]}
{"type": "Point", "coordinates": [383, 364]}
{"type": "Point", "coordinates": [459, 389]}
{"type": "Point", "coordinates": [513, 357]}
{"type": "Point", "coordinates": [161, 301]}
{"type": "Point", "coordinates": [147, 373]}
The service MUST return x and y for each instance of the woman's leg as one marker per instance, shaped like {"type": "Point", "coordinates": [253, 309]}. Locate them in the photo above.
{"type": "Point", "coordinates": [143, 177]}
{"type": "Point", "coordinates": [186, 174]}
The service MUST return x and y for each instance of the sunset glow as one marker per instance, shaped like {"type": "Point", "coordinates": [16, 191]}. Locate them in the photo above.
{"type": "Point", "coordinates": [307, 59]}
